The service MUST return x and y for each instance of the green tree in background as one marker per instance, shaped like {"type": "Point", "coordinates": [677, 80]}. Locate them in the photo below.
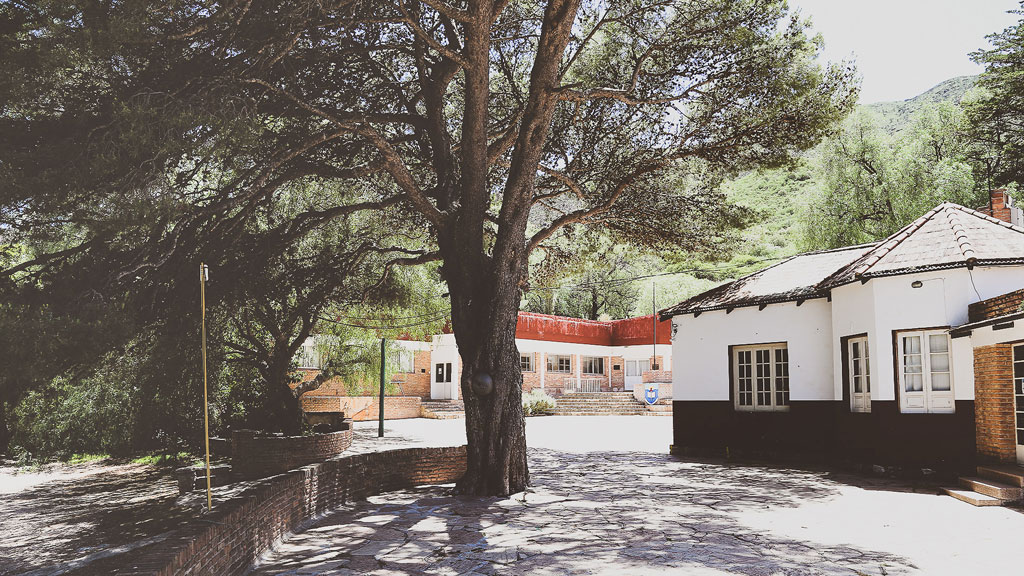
{"type": "Point", "coordinates": [997, 112]}
{"type": "Point", "coordinates": [872, 184]}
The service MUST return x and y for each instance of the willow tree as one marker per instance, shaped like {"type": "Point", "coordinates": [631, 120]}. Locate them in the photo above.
{"type": "Point", "coordinates": [494, 126]}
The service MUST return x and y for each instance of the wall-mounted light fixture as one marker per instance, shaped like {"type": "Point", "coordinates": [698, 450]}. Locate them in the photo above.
{"type": "Point", "coordinates": [916, 284]}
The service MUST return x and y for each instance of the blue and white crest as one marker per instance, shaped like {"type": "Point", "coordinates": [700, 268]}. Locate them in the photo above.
{"type": "Point", "coordinates": [651, 393]}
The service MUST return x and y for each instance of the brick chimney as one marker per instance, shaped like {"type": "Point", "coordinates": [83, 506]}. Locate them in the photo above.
{"type": "Point", "coordinates": [1002, 206]}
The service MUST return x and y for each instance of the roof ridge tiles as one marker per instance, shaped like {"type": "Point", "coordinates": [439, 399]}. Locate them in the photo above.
{"type": "Point", "coordinates": [986, 217]}
{"type": "Point", "coordinates": [885, 246]}
{"type": "Point", "coordinates": [960, 235]}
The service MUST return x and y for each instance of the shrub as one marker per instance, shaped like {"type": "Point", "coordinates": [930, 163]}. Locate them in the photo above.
{"type": "Point", "coordinates": [537, 402]}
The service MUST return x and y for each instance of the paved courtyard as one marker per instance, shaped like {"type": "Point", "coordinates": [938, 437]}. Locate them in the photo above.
{"type": "Point", "coordinates": [607, 500]}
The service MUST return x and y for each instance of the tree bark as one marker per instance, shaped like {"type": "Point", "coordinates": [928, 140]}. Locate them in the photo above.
{"type": "Point", "coordinates": [485, 289]}
{"type": "Point", "coordinates": [485, 330]}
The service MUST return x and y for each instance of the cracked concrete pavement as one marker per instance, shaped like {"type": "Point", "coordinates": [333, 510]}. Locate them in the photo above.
{"type": "Point", "coordinates": [606, 499]}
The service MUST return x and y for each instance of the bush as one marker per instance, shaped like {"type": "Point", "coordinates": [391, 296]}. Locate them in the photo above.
{"type": "Point", "coordinates": [537, 402]}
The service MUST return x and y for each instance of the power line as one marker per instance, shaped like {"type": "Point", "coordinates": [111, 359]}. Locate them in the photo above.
{"type": "Point", "coordinates": [618, 281]}
{"type": "Point", "coordinates": [383, 316]}
{"type": "Point", "coordinates": [443, 316]}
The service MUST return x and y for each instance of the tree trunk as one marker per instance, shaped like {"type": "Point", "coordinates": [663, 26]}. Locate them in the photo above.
{"type": "Point", "coordinates": [495, 426]}
{"type": "Point", "coordinates": [285, 406]}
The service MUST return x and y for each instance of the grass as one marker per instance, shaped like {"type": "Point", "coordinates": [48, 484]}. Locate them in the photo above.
{"type": "Point", "coordinates": [86, 458]}
{"type": "Point", "coordinates": [167, 459]}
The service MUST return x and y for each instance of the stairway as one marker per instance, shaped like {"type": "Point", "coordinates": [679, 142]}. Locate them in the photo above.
{"type": "Point", "coordinates": [443, 409]}
{"type": "Point", "coordinates": [605, 404]}
{"type": "Point", "coordinates": [993, 486]}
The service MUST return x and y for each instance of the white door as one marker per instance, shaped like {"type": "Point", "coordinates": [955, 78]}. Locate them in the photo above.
{"type": "Point", "coordinates": [1018, 398]}
{"type": "Point", "coordinates": [635, 373]}
{"type": "Point", "coordinates": [441, 386]}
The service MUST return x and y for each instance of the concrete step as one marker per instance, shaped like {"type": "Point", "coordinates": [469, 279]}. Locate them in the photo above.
{"type": "Point", "coordinates": [1012, 475]}
{"type": "Point", "coordinates": [992, 488]}
{"type": "Point", "coordinates": [972, 497]}
{"type": "Point", "coordinates": [443, 409]}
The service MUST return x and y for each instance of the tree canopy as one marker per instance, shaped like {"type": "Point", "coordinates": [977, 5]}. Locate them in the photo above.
{"type": "Point", "coordinates": [139, 137]}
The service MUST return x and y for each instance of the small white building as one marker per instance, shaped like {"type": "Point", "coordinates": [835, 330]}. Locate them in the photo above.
{"type": "Point", "coordinates": [851, 354]}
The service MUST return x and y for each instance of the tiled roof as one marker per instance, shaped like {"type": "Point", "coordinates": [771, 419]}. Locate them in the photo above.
{"type": "Point", "coordinates": [796, 278]}
{"type": "Point", "coordinates": [948, 236]}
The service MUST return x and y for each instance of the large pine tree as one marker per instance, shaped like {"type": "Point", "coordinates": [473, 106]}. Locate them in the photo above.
{"type": "Point", "coordinates": [155, 131]}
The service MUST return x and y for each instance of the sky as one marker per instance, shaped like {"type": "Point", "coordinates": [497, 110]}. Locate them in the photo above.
{"type": "Point", "coordinates": [904, 47]}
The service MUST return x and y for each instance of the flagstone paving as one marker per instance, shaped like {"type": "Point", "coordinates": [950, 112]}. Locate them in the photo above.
{"type": "Point", "coordinates": [641, 513]}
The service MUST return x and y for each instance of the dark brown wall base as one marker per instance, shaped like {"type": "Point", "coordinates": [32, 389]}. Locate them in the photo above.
{"type": "Point", "coordinates": [828, 432]}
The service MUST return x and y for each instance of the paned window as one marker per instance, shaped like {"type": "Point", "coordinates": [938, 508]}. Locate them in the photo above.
{"type": "Point", "coordinates": [559, 363]}
{"type": "Point", "coordinates": [761, 377]}
{"type": "Point", "coordinates": [925, 373]}
{"type": "Point", "coordinates": [526, 362]}
{"type": "Point", "coordinates": [592, 364]}
{"type": "Point", "coordinates": [405, 361]}
{"type": "Point", "coordinates": [859, 366]}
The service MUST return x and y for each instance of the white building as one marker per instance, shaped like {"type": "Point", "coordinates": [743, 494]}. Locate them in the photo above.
{"type": "Point", "coordinates": [852, 354]}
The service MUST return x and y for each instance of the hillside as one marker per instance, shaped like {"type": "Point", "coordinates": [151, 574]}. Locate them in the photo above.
{"type": "Point", "coordinates": [896, 115]}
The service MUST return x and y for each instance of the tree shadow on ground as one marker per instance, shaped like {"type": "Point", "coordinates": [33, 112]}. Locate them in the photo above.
{"type": "Point", "coordinates": [622, 513]}
{"type": "Point", "coordinates": [61, 525]}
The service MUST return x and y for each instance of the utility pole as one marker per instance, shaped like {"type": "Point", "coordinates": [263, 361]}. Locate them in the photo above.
{"type": "Point", "coordinates": [204, 276]}
{"type": "Point", "coordinates": [380, 412]}
{"type": "Point", "coordinates": [654, 325]}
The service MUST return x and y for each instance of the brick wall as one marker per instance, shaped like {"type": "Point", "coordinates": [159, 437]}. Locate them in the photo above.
{"type": "Point", "coordinates": [1000, 205]}
{"type": "Point", "coordinates": [618, 376]}
{"type": "Point", "coordinates": [531, 380]}
{"type": "Point", "coordinates": [360, 408]}
{"type": "Point", "coordinates": [657, 376]}
{"type": "Point", "coordinates": [229, 539]}
{"type": "Point", "coordinates": [995, 307]}
{"type": "Point", "coordinates": [255, 456]}
{"type": "Point", "coordinates": [993, 402]}
{"type": "Point", "coordinates": [417, 382]}
{"type": "Point", "coordinates": [554, 382]}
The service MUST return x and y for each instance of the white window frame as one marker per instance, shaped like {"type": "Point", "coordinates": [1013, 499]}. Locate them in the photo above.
{"type": "Point", "coordinates": [556, 360]}
{"type": "Point", "coordinates": [590, 362]}
{"type": "Point", "coordinates": [778, 373]}
{"type": "Point", "coordinates": [926, 400]}
{"type": "Point", "coordinates": [529, 363]}
{"type": "Point", "coordinates": [308, 356]}
{"type": "Point", "coordinates": [859, 369]}
{"type": "Point", "coordinates": [405, 361]}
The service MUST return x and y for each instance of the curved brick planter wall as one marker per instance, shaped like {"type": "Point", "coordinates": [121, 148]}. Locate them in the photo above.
{"type": "Point", "coordinates": [362, 408]}
{"type": "Point", "coordinates": [239, 529]}
{"type": "Point", "coordinates": [255, 456]}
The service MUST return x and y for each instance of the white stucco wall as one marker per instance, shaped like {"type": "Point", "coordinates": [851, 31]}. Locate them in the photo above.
{"type": "Point", "coordinates": [701, 348]}
{"type": "Point", "coordinates": [883, 305]}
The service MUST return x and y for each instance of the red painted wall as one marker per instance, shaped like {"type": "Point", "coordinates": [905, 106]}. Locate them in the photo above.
{"type": "Point", "coordinates": [628, 332]}
{"type": "Point", "coordinates": [635, 331]}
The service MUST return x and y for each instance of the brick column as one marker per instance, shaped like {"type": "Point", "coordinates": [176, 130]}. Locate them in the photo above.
{"type": "Point", "coordinates": [993, 402]}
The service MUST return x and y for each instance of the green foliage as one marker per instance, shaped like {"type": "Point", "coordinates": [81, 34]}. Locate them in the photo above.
{"type": "Point", "coordinates": [167, 459]}
{"type": "Point", "coordinates": [86, 458]}
{"type": "Point", "coordinates": [873, 184]}
{"type": "Point", "coordinates": [536, 403]}
{"type": "Point", "coordinates": [996, 110]}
